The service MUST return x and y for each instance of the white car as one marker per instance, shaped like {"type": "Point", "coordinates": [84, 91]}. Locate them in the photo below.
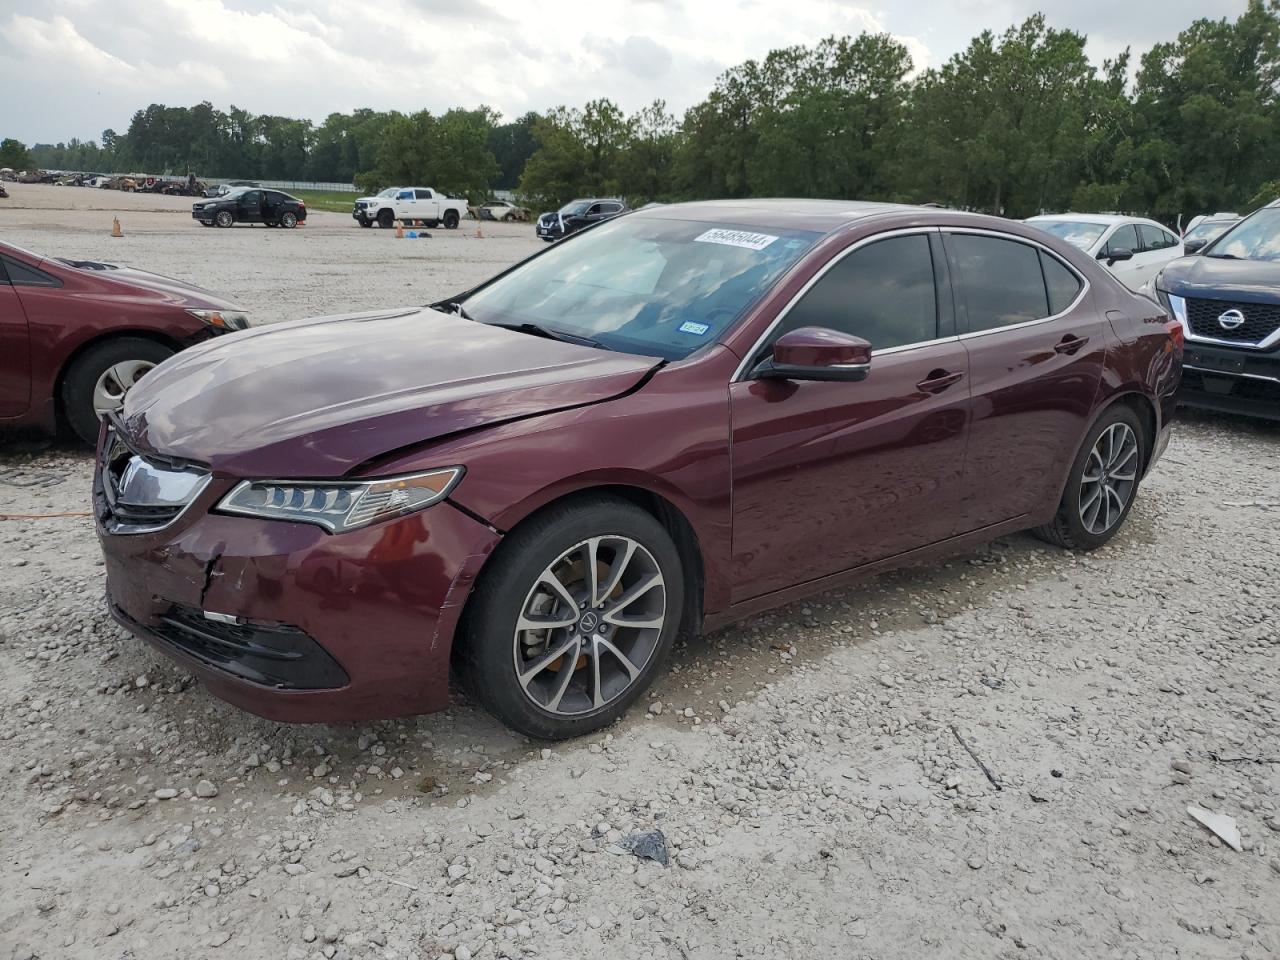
{"type": "Point", "coordinates": [503, 210]}
{"type": "Point", "coordinates": [409, 205]}
{"type": "Point", "coordinates": [1133, 248]}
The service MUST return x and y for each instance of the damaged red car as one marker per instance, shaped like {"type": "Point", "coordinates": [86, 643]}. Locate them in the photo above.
{"type": "Point", "coordinates": [667, 422]}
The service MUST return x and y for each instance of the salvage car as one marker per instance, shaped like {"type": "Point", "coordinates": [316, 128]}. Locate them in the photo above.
{"type": "Point", "coordinates": [76, 335]}
{"type": "Point", "coordinates": [1133, 248]}
{"type": "Point", "coordinates": [575, 215]}
{"type": "Point", "coordinates": [1227, 299]}
{"type": "Point", "coordinates": [248, 205]}
{"type": "Point", "coordinates": [672, 420]}
{"type": "Point", "coordinates": [501, 210]}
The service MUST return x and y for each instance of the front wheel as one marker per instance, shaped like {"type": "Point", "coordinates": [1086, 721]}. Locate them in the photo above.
{"type": "Point", "coordinates": [1103, 483]}
{"type": "Point", "coordinates": [573, 619]}
{"type": "Point", "coordinates": [451, 220]}
{"type": "Point", "coordinates": [224, 218]}
{"type": "Point", "coordinates": [365, 222]}
{"type": "Point", "coordinates": [97, 381]}
{"type": "Point", "coordinates": [386, 219]}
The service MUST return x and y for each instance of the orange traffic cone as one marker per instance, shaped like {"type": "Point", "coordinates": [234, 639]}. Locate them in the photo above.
{"type": "Point", "coordinates": [399, 230]}
{"type": "Point", "coordinates": [479, 232]}
{"type": "Point", "coordinates": [115, 227]}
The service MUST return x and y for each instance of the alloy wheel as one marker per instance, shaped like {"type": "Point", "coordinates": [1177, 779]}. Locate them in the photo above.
{"type": "Point", "coordinates": [589, 625]}
{"type": "Point", "coordinates": [114, 383]}
{"type": "Point", "coordinates": [1109, 478]}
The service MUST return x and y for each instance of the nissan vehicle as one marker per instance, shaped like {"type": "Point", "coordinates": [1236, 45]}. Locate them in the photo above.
{"type": "Point", "coordinates": [250, 205]}
{"type": "Point", "coordinates": [1228, 301]}
{"type": "Point", "coordinates": [1133, 248]}
{"type": "Point", "coordinates": [671, 420]}
{"type": "Point", "coordinates": [76, 335]}
{"type": "Point", "coordinates": [575, 215]}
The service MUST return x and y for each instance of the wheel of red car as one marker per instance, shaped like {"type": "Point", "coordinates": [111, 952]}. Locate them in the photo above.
{"type": "Point", "coordinates": [98, 379]}
{"type": "Point", "coordinates": [573, 618]}
{"type": "Point", "coordinates": [288, 220]}
{"type": "Point", "coordinates": [224, 218]}
{"type": "Point", "coordinates": [1103, 482]}
{"type": "Point", "coordinates": [451, 220]}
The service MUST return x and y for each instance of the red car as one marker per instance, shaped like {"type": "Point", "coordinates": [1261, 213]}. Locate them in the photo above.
{"type": "Point", "coordinates": [76, 334]}
{"type": "Point", "coordinates": [671, 420]}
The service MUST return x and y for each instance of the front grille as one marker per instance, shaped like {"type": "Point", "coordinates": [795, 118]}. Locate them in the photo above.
{"type": "Point", "coordinates": [137, 494]}
{"type": "Point", "coordinates": [1260, 320]}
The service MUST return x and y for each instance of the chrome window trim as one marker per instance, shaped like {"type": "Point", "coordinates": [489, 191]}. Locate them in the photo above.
{"type": "Point", "coordinates": [739, 373]}
{"type": "Point", "coordinates": [1228, 373]}
{"type": "Point", "coordinates": [1085, 285]}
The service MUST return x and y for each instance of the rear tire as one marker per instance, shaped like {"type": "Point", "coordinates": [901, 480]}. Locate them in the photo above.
{"type": "Point", "coordinates": [492, 652]}
{"type": "Point", "coordinates": [288, 220]}
{"type": "Point", "coordinates": [1103, 482]}
{"type": "Point", "coordinates": [105, 371]}
{"type": "Point", "coordinates": [451, 220]}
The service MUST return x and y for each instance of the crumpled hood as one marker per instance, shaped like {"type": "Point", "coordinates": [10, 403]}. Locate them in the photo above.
{"type": "Point", "coordinates": [1214, 278]}
{"type": "Point", "coordinates": [317, 398]}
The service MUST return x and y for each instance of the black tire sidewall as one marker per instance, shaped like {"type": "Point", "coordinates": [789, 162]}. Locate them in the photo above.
{"type": "Point", "coordinates": [224, 215]}
{"type": "Point", "coordinates": [386, 221]}
{"type": "Point", "coordinates": [82, 376]}
{"type": "Point", "coordinates": [1069, 512]}
{"type": "Point", "coordinates": [451, 220]}
{"type": "Point", "coordinates": [490, 624]}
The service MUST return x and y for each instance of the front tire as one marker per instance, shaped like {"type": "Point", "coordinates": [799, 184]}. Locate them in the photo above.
{"type": "Point", "coordinates": [451, 220]}
{"type": "Point", "coordinates": [224, 218]}
{"type": "Point", "coordinates": [97, 380]}
{"type": "Point", "coordinates": [573, 619]}
{"type": "Point", "coordinates": [1103, 482]}
{"type": "Point", "coordinates": [365, 222]}
{"type": "Point", "coordinates": [386, 219]}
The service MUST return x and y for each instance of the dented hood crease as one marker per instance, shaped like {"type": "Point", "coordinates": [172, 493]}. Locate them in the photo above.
{"type": "Point", "coordinates": [317, 398]}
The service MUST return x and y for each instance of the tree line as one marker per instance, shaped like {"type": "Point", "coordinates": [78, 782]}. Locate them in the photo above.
{"type": "Point", "coordinates": [1016, 123]}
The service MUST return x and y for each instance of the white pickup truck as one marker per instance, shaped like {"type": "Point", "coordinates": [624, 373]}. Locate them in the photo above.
{"type": "Point", "coordinates": [409, 205]}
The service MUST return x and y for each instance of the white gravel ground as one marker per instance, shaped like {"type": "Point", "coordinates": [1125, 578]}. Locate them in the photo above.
{"type": "Point", "coordinates": [806, 768]}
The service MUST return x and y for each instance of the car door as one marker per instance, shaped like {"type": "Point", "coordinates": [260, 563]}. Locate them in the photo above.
{"type": "Point", "coordinates": [1128, 272]}
{"type": "Point", "coordinates": [15, 346]}
{"type": "Point", "coordinates": [831, 475]}
{"type": "Point", "coordinates": [428, 207]}
{"type": "Point", "coordinates": [406, 206]}
{"type": "Point", "coordinates": [1036, 351]}
{"type": "Point", "coordinates": [249, 207]}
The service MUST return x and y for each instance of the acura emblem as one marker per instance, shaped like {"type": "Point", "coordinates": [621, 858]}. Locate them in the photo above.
{"type": "Point", "coordinates": [1231, 319]}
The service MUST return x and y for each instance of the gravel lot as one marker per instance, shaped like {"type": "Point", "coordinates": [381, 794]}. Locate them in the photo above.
{"type": "Point", "coordinates": [810, 769]}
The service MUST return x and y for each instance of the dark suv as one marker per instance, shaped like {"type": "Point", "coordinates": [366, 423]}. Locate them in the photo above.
{"type": "Point", "coordinates": [1228, 300]}
{"type": "Point", "coordinates": [578, 214]}
{"type": "Point", "coordinates": [249, 205]}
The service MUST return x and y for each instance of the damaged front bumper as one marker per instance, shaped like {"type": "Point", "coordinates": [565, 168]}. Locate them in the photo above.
{"type": "Point", "coordinates": [290, 622]}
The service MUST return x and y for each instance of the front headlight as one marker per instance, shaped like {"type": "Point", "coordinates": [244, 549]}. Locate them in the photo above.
{"type": "Point", "coordinates": [340, 505]}
{"type": "Point", "coordinates": [223, 319]}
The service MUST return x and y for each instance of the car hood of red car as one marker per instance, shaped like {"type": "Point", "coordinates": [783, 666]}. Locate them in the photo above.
{"type": "Point", "coordinates": [318, 398]}
{"type": "Point", "coordinates": [128, 282]}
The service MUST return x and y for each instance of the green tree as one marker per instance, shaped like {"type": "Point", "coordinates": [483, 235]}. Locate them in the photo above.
{"type": "Point", "coordinates": [14, 153]}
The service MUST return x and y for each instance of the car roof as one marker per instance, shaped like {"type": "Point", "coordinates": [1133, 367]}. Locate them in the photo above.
{"type": "Point", "coordinates": [1107, 218]}
{"type": "Point", "coordinates": [819, 215]}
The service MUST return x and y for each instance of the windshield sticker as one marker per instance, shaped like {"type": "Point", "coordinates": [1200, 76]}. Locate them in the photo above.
{"type": "Point", "coordinates": [736, 238]}
{"type": "Point", "coordinates": [699, 329]}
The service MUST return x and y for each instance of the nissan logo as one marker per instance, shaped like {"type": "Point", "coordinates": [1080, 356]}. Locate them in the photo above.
{"type": "Point", "coordinates": [1231, 319]}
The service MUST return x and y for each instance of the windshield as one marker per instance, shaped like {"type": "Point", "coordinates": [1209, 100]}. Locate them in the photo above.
{"type": "Point", "coordinates": [1208, 230]}
{"type": "Point", "coordinates": [1256, 237]}
{"type": "Point", "coordinates": [389, 192]}
{"type": "Point", "coordinates": [1076, 232]}
{"type": "Point", "coordinates": [577, 206]}
{"type": "Point", "coordinates": [647, 286]}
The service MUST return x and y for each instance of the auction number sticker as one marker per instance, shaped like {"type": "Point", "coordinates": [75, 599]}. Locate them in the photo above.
{"type": "Point", "coordinates": [736, 238]}
{"type": "Point", "coordinates": [697, 329]}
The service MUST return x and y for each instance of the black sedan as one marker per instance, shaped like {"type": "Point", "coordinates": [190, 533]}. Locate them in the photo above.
{"type": "Point", "coordinates": [577, 214]}
{"type": "Point", "coordinates": [247, 205]}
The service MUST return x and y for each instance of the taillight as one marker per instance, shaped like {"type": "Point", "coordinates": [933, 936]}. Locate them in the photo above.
{"type": "Point", "coordinates": [1176, 336]}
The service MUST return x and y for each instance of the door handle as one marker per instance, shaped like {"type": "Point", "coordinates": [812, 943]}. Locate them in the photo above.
{"type": "Point", "coordinates": [938, 380]}
{"type": "Point", "coordinates": [1070, 344]}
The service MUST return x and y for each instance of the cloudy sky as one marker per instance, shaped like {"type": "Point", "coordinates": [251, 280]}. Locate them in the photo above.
{"type": "Point", "coordinates": [70, 68]}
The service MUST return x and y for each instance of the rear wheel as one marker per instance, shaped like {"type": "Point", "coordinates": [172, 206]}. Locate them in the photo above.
{"type": "Point", "coordinates": [385, 218]}
{"type": "Point", "coordinates": [573, 619]}
{"type": "Point", "coordinates": [224, 218]}
{"type": "Point", "coordinates": [432, 224]}
{"type": "Point", "coordinates": [97, 381]}
{"type": "Point", "coordinates": [288, 220]}
{"type": "Point", "coordinates": [1103, 483]}
{"type": "Point", "coordinates": [451, 220]}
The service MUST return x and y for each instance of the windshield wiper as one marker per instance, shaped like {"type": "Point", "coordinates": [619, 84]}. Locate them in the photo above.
{"type": "Point", "coordinates": [537, 330]}
{"type": "Point", "coordinates": [1223, 256]}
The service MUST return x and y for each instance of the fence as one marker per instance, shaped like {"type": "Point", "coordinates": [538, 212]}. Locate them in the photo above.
{"type": "Point", "coordinates": [304, 185]}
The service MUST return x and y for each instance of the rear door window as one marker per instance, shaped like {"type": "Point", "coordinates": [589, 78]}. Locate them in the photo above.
{"type": "Point", "coordinates": [883, 292]}
{"type": "Point", "coordinates": [1155, 238]}
{"type": "Point", "coordinates": [999, 281]}
{"type": "Point", "coordinates": [422, 194]}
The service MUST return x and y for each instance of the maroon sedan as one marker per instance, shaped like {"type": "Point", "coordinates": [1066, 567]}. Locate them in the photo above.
{"type": "Point", "coordinates": [75, 335]}
{"type": "Point", "coordinates": [671, 420]}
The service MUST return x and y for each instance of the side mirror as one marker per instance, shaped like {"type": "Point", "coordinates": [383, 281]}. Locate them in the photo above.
{"type": "Point", "coordinates": [817, 353]}
{"type": "Point", "coordinates": [1114, 256]}
{"type": "Point", "coordinates": [1194, 246]}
